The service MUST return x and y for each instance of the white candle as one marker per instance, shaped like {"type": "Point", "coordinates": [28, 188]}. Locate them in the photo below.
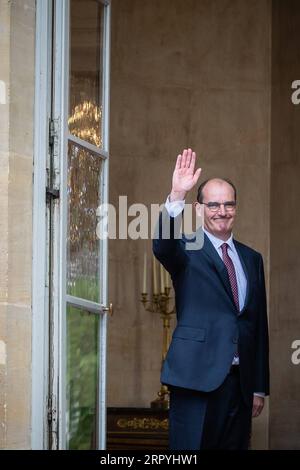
{"type": "Point", "coordinates": [162, 279]}
{"type": "Point", "coordinates": [145, 274]}
{"type": "Point", "coordinates": [155, 291]}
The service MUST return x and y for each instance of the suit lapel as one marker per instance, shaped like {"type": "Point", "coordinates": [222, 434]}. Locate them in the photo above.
{"type": "Point", "coordinates": [210, 250]}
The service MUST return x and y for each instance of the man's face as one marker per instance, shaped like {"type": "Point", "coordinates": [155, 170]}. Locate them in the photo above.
{"type": "Point", "coordinates": [219, 222]}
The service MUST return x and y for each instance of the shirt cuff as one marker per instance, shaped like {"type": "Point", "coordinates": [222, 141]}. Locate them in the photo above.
{"type": "Point", "coordinates": [260, 394]}
{"type": "Point", "coordinates": [175, 207]}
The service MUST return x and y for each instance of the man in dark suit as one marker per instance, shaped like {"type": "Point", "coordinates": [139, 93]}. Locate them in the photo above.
{"type": "Point", "coordinates": [217, 366]}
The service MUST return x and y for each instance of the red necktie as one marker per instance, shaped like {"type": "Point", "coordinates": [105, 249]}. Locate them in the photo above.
{"type": "Point", "coordinates": [233, 282]}
{"type": "Point", "coordinates": [231, 273]}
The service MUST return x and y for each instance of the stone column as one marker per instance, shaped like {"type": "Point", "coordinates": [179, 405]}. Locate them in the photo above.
{"type": "Point", "coordinates": [17, 49]}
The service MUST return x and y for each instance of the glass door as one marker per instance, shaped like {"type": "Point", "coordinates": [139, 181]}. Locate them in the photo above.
{"type": "Point", "coordinates": [81, 114]}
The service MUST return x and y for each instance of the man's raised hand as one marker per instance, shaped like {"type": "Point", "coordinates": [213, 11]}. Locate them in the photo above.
{"type": "Point", "coordinates": [184, 177]}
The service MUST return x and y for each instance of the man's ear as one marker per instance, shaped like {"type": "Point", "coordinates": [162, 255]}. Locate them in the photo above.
{"type": "Point", "coordinates": [197, 207]}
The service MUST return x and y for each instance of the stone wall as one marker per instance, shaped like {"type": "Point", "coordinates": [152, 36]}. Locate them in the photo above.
{"type": "Point", "coordinates": [17, 46]}
{"type": "Point", "coordinates": [193, 73]}
{"type": "Point", "coordinates": [284, 228]}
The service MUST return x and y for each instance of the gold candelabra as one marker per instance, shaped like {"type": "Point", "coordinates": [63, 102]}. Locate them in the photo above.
{"type": "Point", "coordinates": [160, 303]}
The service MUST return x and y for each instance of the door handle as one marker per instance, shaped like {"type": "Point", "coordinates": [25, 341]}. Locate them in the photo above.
{"type": "Point", "coordinates": [108, 309]}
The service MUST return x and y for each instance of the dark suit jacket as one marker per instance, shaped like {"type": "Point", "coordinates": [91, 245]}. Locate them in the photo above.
{"type": "Point", "coordinates": [209, 329]}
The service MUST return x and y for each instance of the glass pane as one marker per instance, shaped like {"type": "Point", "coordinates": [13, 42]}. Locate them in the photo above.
{"type": "Point", "coordinates": [82, 379]}
{"type": "Point", "coordinates": [84, 173]}
{"type": "Point", "coordinates": [85, 111]}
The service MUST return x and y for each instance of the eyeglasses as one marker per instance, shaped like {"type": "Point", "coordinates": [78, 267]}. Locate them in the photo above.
{"type": "Point", "coordinates": [229, 206]}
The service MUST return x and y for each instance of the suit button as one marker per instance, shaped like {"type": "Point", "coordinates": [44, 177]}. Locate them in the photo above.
{"type": "Point", "coordinates": [234, 339]}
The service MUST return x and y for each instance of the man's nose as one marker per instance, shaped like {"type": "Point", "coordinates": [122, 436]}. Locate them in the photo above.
{"type": "Point", "coordinates": [222, 209]}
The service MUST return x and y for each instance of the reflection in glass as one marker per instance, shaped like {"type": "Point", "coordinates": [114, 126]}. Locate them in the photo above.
{"type": "Point", "coordinates": [82, 379]}
{"type": "Point", "coordinates": [84, 173]}
{"type": "Point", "coordinates": [85, 110]}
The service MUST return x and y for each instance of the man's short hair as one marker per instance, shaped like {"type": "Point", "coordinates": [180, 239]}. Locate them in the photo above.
{"type": "Point", "coordinates": [201, 187]}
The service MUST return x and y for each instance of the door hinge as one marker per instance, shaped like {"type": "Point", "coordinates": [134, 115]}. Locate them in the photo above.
{"type": "Point", "coordinates": [51, 410]}
{"type": "Point", "coordinates": [53, 133]}
{"type": "Point", "coordinates": [52, 193]}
